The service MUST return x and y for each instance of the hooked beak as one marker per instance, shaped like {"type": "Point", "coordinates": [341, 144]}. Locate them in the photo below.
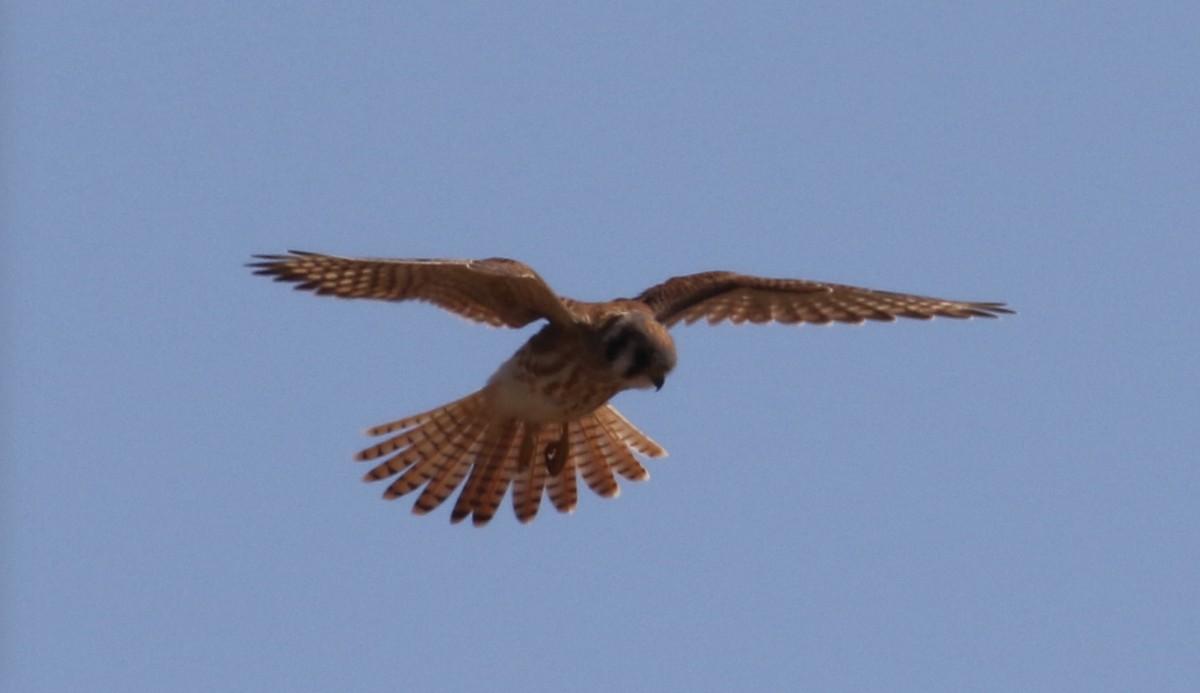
{"type": "Point", "coordinates": [658, 381]}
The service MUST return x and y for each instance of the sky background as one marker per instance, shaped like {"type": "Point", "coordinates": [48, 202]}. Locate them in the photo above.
{"type": "Point", "coordinates": [1008, 505]}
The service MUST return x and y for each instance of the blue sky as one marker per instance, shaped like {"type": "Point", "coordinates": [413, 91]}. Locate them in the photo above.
{"type": "Point", "coordinates": [993, 505]}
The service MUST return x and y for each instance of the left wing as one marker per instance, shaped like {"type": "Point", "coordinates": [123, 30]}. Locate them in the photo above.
{"type": "Point", "coordinates": [496, 291]}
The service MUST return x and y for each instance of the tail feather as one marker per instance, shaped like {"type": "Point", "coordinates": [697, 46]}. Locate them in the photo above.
{"type": "Point", "coordinates": [427, 465]}
{"type": "Point", "coordinates": [441, 447]}
{"type": "Point", "coordinates": [628, 433]}
{"type": "Point", "coordinates": [489, 479]}
{"type": "Point", "coordinates": [563, 489]}
{"type": "Point", "coordinates": [421, 435]}
{"type": "Point", "coordinates": [590, 444]}
{"type": "Point", "coordinates": [531, 474]}
{"type": "Point", "coordinates": [450, 473]}
{"type": "Point", "coordinates": [621, 459]}
{"type": "Point", "coordinates": [471, 401]}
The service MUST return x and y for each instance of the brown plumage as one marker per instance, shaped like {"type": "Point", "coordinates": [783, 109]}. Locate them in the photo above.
{"type": "Point", "coordinates": [543, 418]}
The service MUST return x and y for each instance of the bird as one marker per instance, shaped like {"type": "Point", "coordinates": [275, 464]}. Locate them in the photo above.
{"type": "Point", "coordinates": [543, 419]}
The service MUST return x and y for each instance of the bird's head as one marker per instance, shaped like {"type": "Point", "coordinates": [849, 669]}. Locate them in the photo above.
{"type": "Point", "coordinates": [638, 349]}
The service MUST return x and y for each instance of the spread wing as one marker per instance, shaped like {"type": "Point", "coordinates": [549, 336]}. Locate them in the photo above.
{"type": "Point", "coordinates": [496, 291]}
{"type": "Point", "coordinates": [717, 296]}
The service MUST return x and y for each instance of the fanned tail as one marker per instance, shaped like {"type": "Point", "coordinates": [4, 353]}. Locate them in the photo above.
{"type": "Point", "coordinates": [440, 448]}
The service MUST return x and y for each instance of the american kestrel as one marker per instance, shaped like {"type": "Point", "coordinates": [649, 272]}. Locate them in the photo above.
{"type": "Point", "coordinates": [544, 415]}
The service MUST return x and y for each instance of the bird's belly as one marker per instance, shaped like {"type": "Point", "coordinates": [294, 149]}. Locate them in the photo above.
{"type": "Point", "coordinates": [562, 394]}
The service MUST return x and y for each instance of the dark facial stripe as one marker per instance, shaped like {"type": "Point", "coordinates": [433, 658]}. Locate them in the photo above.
{"type": "Point", "coordinates": [617, 344]}
{"type": "Point", "coordinates": [641, 359]}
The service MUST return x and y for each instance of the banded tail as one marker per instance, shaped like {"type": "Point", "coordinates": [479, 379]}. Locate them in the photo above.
{"type": "Point", "coordinates": [439, 448]}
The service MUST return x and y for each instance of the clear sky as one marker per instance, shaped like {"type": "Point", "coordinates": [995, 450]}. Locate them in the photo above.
{"type": "Point", "coordinates": [1008, 505]}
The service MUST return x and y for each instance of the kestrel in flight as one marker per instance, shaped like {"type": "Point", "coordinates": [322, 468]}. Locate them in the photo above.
{"type": "Point", "coordinates": [544, 415]}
